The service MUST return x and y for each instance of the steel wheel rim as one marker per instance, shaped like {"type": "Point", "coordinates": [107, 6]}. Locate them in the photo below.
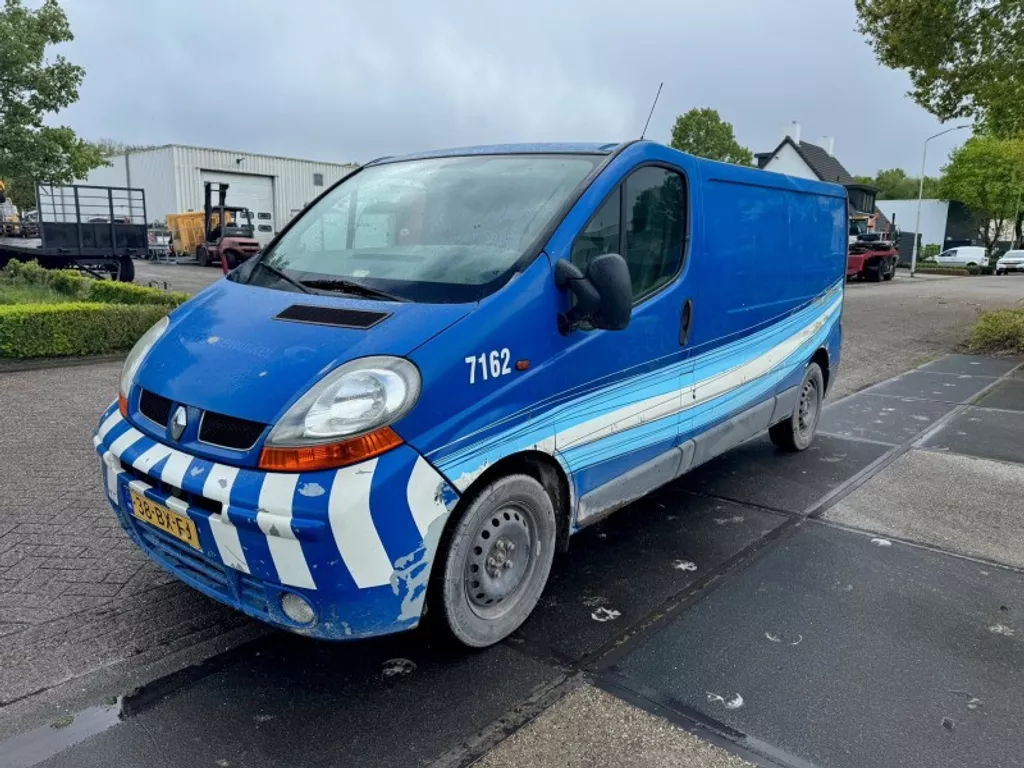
{"type": "Point", "coordinates": [807, 411]}
{"type": "Point", "coordinates": [500, 561]}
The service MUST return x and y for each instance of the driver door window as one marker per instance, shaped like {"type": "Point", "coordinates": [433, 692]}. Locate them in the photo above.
{"type": "Point", "coordinates": [648, 228]}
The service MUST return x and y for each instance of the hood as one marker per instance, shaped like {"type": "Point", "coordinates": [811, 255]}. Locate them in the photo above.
{"type": "Point", "coordinates": [224, 350]}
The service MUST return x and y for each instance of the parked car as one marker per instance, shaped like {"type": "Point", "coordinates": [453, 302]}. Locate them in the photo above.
{"type": "Point", "coordinates": [1011, 261]}
{"type": "Point", "coordinates": [363, 418]}
{"type": "Point", "coordinates": [963, 256]}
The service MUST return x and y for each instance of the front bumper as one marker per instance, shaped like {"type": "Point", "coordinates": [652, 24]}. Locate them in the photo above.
{"type": "Point", "coordinates": [1010, 267]}
{"type": "Point", "coordinates": [357, 542]}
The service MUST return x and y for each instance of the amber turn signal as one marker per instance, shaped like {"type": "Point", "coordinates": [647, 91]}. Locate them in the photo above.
{"type": "Point", "coordinates": [122, 405]}
{"type": "Point", "coordinates": [330, 455]}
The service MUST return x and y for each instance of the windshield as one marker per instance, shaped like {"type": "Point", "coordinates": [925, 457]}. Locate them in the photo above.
{"type": "Point", "coordinates": [436, 230]}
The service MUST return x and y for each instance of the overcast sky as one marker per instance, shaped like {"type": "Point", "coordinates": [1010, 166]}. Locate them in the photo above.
{"type": "Point", "coordinates": [349, 81]}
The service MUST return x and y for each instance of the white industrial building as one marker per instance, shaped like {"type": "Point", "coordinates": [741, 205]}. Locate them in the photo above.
{"type": "Point", "coordinates": [274, 188]}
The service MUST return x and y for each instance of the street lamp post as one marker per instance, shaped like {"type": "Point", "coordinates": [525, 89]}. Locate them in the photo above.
{"type": "Point", "coordinates": [920, 194]}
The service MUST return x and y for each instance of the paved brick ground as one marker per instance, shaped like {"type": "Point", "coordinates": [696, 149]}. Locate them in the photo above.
{"type": "Point", "coordinates": [75, 594]}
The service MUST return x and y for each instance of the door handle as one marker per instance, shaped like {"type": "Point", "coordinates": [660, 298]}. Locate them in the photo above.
{"type": "Point", "coordinates": [686, 323]}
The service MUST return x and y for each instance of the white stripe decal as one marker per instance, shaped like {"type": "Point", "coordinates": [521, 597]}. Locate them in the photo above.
{"type": "Point", "coordinates": [110, 463]}
{"type": "Point", "coordinates": [353, 528]}
{"type": "Point", "coordinates": [177, 505]}
{"type": "Point", "coordinates": [424, 495]}
{"type": "Point", "coordinates": [108, 424]}
{"type": "Point", "coordinates": [125, 441]}
{"type": "Point", "coordinates": [174, 470]}
{"type": "Point", "coordinates": [275, 520]}
{"type": "Point", "coordinates": [139, 487]}
{"type": "Point", "coordinates": [151, 457]}
{"type": "Point", "coordinates": [219, 482]}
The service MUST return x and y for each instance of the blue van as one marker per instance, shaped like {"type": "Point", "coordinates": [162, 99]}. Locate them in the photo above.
{"type": "Point", "coordinates": [451, 362]}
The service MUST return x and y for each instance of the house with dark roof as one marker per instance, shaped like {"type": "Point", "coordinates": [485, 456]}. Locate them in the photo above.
{"type": "Point", "coordinates": [794, 157]}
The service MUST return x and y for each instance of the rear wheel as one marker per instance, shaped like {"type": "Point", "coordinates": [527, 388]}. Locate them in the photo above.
{"type": "Point", "coordinates": [797, 432]}
{"type": "Point", "coordinates": [126, 273]}
{"type": "Point", "coordinates": [874, 272]}
{"type": "Point", "coordinates": [497, 561]}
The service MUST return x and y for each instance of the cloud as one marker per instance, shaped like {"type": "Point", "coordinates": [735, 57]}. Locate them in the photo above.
{"type": "Point", "coordinates": [350, 81]}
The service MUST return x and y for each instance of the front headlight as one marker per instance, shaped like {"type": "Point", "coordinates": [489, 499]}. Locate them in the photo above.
{"type": "Point", "coordinates": [135, 358]}
{"type": "Point", "coordinates": [357, 398]}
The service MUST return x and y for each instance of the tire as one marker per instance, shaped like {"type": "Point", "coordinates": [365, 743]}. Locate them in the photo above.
{"type": "Point", "coordinates": [202, 256]}
{"type": "Point", "coordinates": [1000, 272]}
{"type": "Point", "coordinates": [127, 272]}
{"type": "Point", "coordinates": [496, 561]}
{"type": "Point", "coordinates": [231, 257]}
{"type": "Point", "coordinates": [972, 263]}
{"type": "Point", "coordinates": [890, 272]}
{"type": "Point", "coordinates": [796, 433]}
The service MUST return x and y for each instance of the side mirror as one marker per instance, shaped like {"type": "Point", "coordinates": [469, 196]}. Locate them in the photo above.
{"type": "Point", "coordinates": [604, 296]}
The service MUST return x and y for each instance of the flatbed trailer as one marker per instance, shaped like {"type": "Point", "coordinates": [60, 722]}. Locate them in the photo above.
{"type": "Point", "coordinates": [98, 230]}
{"type": "Point", "coordinates": [873, 264]}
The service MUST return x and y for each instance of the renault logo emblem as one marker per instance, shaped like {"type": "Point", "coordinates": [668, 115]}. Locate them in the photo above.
{"type": "Point", "coordinates": [178, 422]}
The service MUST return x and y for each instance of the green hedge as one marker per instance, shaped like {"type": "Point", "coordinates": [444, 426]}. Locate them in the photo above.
{"type": "Point", "coordinates": [79, 328]}
{"type": "Point", "coordinates": [1000, 331]}
{"type": "Point", "coordinates": [110, 292]}
{"type": "Point", "coordinates": [68, 282]}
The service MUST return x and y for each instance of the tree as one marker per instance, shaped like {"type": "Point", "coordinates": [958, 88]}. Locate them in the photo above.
{"type": "Point", "coordinates": [964, 57]}
{"type": "Point", "coordinates": [894, 184]}
{"type": "Point", "coordinates": [703, 133]}
{"type": "Point", "coordinates": [32, 87]}
{"type": "Point", "coordinates": [987, 175]}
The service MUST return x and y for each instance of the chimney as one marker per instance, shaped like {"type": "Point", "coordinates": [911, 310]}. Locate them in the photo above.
{"type": "Point", "coordinates": [793, 131]}
{"type": "Point", "coordinates": [828, 143]}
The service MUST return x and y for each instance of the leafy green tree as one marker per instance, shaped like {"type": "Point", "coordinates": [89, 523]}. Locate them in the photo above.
{"type": "Point", "coordinates": [703, 133]}
{"type": "Point", "coordinates": [987, 175]}
{"type": "Point", "coordinates": [964, 57]}
{"type": "Point", "coordinates": [32, 87]}
{"type": "Point", "coordinates": [894, 184]}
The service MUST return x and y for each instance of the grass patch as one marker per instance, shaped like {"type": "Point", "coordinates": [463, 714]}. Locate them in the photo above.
{"type": "Point", "coordinates": [29, 294]}
{"type": "Point", "coordinates": [999, 332]}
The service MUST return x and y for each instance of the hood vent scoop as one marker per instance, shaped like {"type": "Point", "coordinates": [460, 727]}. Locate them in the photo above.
{"type": "Point", "coordinates": [333, 316]}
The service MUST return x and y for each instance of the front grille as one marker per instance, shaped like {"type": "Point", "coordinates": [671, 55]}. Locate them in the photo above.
{"type": "Point", "coordinates": [229, 432]}
{"type": "Point", "coordinates": [155, 407]}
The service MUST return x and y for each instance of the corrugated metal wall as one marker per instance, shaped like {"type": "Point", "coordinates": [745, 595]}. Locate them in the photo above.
{"type": "Point", "coordinates": [151, 170]}
{"type": "Point", "coordinates": [293, 180]}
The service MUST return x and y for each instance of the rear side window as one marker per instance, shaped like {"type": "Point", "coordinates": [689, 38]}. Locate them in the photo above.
{"type": "Point", "coordinates": [644, 219]}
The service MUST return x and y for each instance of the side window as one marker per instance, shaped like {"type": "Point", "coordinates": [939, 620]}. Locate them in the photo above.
{"type": "Point", "coordinates": [602, 233]}
{"type": "Point", "coordinates": [655, 227]}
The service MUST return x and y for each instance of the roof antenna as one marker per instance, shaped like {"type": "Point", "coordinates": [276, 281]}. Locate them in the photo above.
{"type": "Point", "coordinates": [651, 113]}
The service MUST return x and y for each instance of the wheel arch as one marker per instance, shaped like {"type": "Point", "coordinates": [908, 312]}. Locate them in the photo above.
{"type": "Point", "coordinates": [822, 359]}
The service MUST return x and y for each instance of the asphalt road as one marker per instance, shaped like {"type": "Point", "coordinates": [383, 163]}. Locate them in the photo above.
{"type": "Point", "coordinates": [767, 541]}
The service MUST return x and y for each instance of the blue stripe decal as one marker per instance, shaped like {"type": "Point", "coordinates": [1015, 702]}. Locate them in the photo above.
{"type": "Point", "coordinates": [389, 505]}
{"type": "Point", "coordinates": [254, 543]}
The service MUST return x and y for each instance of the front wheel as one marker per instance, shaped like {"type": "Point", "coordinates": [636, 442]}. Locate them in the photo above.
{"type": "Point", "coordinates": [497, 561]}
{"type": "Point", "coordinates": [1000, 272]}
{"type": "Point", "coordinates": [797, 432]}
{"type": "Point", "coordinates": [202, 256]}
{"type": "Point", "coordinates": [890, 271]}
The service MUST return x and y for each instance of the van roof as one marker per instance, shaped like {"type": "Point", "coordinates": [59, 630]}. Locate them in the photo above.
{"type": "Point", "coordinates": [549, 148]}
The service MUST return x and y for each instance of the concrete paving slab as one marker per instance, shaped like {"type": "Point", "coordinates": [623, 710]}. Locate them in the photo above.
{"type": "Point", "coordinates": [961, 503]}
{"type": "Point", "coordinates": [893, 420]}
{"type": "Point", "coordinates": [844, 653]}
{"type": "Point", "coordinates": [592, 728]}
{"type": "Point", "coordinates": [971, 365]}
{"type": "Point", "coordinates": [619, 570]}
{"type": "Point", "coordinates": [983, 432]}
{"type": "Point", "coordinates": [758, 473]}
{"type": "Point", "coordinates": [1008, 395]}
{"type": "Point", "coordinates": [945, 387]}
{"type": "Point", "coordinates": [321, 705]}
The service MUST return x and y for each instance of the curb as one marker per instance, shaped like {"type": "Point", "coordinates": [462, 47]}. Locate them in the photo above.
{"type": "Point", "coordinates": [17, 366]}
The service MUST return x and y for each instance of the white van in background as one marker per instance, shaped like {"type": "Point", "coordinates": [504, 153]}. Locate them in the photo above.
{"type": "Point", "coordinates": [963, 256]}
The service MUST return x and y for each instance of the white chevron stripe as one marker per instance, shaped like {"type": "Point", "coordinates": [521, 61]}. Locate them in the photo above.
{"type": "Point", "coordinates": [112, 471]}
{"type": "Point", "coordinates": [125, 441]}
{"type": "Point", "coordinates": [218, 486]}
{"type": "Point", "coordinates": [353, 528]}
{"type": "Point", "coordinates": [174, 470]}
{"type": "Point", "coordinates": [150, 457]}
{"type": "Point", "coordinates": [423, 495]}
{"type": "Point", "coordinates": [275, 520]}
{"type": "Point", "coordinates": [108, 424]}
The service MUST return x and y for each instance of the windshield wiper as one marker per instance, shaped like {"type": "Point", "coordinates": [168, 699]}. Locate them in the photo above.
{"type": "Point", "coordinates": [349, 286]}
{"type": "Point", "coordinates": [279, 274]}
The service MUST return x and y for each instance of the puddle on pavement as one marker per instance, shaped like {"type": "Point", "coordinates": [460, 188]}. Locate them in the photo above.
{"type": "Point", "coordinates": [33, 747]}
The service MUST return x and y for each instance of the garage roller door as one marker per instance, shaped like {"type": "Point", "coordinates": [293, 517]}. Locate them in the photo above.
{"type": "Point", "coordinates": [255, 193]}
